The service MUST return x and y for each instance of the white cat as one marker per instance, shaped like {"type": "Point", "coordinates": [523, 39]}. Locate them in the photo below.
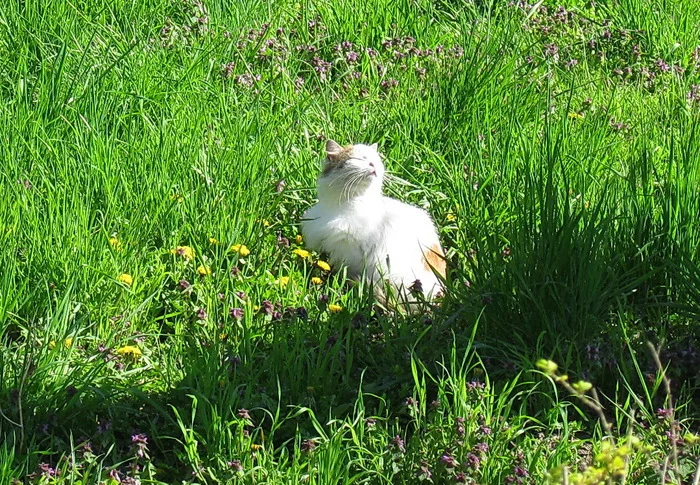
{"type": "Point", "coordinates": [359, 228]}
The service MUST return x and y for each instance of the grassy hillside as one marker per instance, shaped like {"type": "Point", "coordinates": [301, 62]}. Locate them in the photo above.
{"type": "Point", "coordinates": [157, 325]}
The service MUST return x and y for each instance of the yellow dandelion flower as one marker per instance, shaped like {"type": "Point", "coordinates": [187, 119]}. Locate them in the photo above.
{"type": "Point", "coordinates": [177, 197]}
{"type": "Point", "coordinates": [130, 351]}
{"type": "Point", "coordinates": [115, 243]}
{"type": "Point", "coordinates": [213, 240]}
{"type": "Point", "coordinates": [223, 336]}
{"type": "Point", "coordinates": [184, 251]}
{"type": "Point", "coordinates": [68, 342]}
{"type": "Point", "coordinates": [576, 116]}
{"type": "Point", "coordinates": [582, 386]}
{"type": "Point", "coordinates": [451, 217]}
{"type": "Point", "coordinates": [323, 265]}
{"type": "Point", "coordinates": [298, 239]}
{"type": "Point", "coordinates": [266, 223]}
{"type": "Point", "coordinates": [333, 308]}
{"type": "Point", "coordinates": [316, 280]}
{"type": "Point", "coordinates": [52, 344]}
{"type": "Point", "coordinates": [283, 281]}
{"type": "Point", "coordinates": [255, 447]}
{"type": "Point", "coordinates": [302, 253]}
{"type": "Point", "coordinates": [203, 270]}
{"type": "Point", "coordinates": [241, 249]}
{"type": "Point", "coordinates": [126, 278]}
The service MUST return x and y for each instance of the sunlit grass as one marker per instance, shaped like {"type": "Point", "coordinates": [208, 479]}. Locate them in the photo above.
{"type": "Point", "coordinates": [162, 320]}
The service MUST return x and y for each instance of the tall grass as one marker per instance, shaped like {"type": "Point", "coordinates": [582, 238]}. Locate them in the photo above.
{"type": "Point", "coordinates": [556, 148]}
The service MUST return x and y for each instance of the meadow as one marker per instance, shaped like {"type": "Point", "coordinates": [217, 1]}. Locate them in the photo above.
{"type": "Point", "coordinates": [161, 320]}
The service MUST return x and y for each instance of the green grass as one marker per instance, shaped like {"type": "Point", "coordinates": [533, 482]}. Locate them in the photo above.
{"type": "Point", "coordinates": [566, 194]}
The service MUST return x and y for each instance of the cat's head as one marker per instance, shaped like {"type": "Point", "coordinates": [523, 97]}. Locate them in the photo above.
{"type": "Point", "coordinates": [352, 170]}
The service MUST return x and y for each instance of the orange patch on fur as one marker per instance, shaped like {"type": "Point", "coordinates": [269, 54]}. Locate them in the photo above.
{"type": "Point", "coordinates": [337, 160]}
{"type": "Point", "coordinates": [435, 258]}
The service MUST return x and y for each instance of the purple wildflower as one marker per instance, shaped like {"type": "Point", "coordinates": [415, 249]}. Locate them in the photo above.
{"type": "Point", "coordinates": [398, 442]}
{"type": "Point", "coordinates": [247, 79]}
{"type": "Point", "coordinates": [571, 63]}
{"type": "Point", "coordinates": [473, 461]}
{"type": "Point", "coordinates": [244, 414]}
{"type": "Point", "coordinates": [482, 448]}
{"type": "Point", "coordinates": [141, 442]}
{"type": "Point", "coordinates": [662, 65]}
{"type": "Point", "coordinates": [322, 68]}
{"type": "Point", "coordinates": [235, 465]}
{"type": "Point", "coordinates": [48, 471]}
{"type": "Point", "coordinates": [448, 460]}
{"type": "Point", "coordinates": [664, 413]}
{"type": "Point", "coordinates": [227, 69]}
{"type": "Point", "coordinates": [459, 426]}
{"type": "Point", "coordinates": [387, 84]}
{"type": "Point", "coordinates": [236, 313]}
{"type": "Point", "coordinates": [266, 307]}
{"type": "Point", "coordinates": [474, 385]}
{"type": "Point", "coordinates": [424, 470]}
{"type": "Point", "coordinates": [694, 94]}
{"type": "Point", "coordinates": [307, 446]}
{"type": "Point", "coordinates": [552, 51]}
{"type": "Point", "coordinates": [461, 477]}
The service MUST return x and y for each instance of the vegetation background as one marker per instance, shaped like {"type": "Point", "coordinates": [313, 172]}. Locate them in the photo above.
{"type": "Point", "coordinates": [161, 321]}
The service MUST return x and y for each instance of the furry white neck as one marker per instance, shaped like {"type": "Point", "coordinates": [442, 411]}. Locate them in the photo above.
{"type": "Point", "coordinates": [333, 194]}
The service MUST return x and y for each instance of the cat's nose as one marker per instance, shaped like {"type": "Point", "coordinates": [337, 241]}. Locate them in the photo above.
{"type": "Point", "coordinates": [371, 164]}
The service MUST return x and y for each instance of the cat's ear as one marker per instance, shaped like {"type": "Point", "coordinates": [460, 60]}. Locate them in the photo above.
{"type": "Point", "coordinates": [332, 148]}
{"type": "Point", "coordinates": [373, 146]}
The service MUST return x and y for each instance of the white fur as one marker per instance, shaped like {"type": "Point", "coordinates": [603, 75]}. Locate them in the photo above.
{"type": "Point", "coordinates": [361, 229]}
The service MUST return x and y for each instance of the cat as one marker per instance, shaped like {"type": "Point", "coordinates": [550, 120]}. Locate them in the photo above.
{"type": "Point", "coordinates": [393, 244]}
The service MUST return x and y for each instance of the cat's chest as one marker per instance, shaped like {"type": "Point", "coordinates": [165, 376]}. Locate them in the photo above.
{"type": "Point", "coordinates": [352, 233]}
{"type": "Point", "coordinates": [356, 222]}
